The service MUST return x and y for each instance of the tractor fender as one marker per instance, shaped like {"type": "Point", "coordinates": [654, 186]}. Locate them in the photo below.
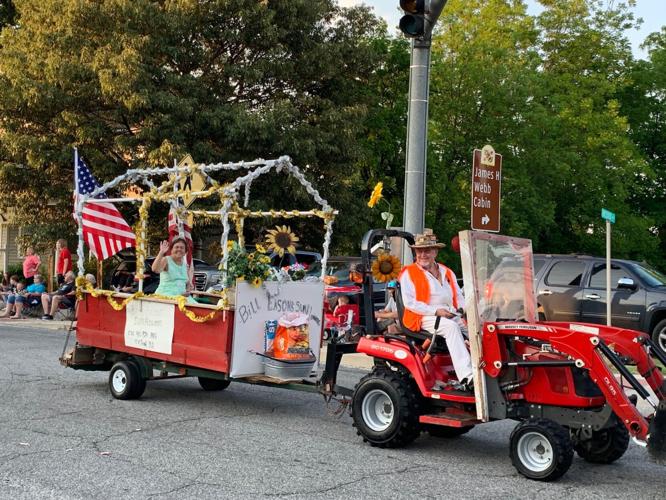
{"type": "Point", "coordinates": [397, 353]}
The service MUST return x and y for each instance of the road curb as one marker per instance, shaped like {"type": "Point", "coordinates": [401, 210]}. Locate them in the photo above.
{"type": "Point", "coordinates": [36, 323]}
{"type": "Point", "coordinates": [360, 361]}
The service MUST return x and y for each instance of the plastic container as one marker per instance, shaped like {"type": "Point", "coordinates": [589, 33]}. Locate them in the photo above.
{"type": "Point", "coordinates": [292, 338]}
{"type": "Point", "coordinates": [288, 368]}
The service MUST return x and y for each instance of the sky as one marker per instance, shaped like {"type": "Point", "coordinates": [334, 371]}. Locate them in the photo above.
{"type": "Point", "coordinates": [653, 17]}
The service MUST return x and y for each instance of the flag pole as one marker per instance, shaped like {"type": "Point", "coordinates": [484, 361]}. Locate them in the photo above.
{"type": "Point", "coordinates": [78, 206]}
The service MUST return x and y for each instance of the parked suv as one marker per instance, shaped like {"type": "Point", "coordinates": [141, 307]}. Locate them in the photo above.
{"type": "Point", "coordinates": [573, 288]}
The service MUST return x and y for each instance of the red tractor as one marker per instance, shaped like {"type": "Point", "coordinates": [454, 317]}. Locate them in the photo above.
{"type": "Point", "coordinates": [570, 386]}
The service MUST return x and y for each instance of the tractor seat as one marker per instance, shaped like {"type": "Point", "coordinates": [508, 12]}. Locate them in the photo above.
{"type": "Point", "coordinates": [440, 344]}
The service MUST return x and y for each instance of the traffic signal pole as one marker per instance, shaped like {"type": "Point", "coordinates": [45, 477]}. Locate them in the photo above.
{"type": "Point", "coordinates": [418, 23]}
{"type": "Point", "coordinates": [417, 138]}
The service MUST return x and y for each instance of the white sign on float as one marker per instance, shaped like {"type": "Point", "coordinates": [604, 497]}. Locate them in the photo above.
{"type": "Point", "coordinates": [257, 305]}
{"type": "Point", "coordinates": [149, 325]}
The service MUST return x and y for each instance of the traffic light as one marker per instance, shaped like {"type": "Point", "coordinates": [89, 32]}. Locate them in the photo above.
{"type": "Point", "coordinates": [412, 23]}
{"type": "Point", "coordinates": [420, 17]}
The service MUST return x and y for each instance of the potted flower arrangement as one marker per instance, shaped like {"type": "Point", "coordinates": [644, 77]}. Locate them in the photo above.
{"type": "Point", "coordinates": [296, 271]}
{"type": "Point", "coordinates": [253, 267]}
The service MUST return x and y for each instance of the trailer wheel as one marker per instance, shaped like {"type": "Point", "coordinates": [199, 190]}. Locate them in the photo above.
{"type": "Point", "coordinates": [213, 384]}
{"type": "Point", "coordinates": [385, 409]}
{"type": "Point", "coordinates": [125, 380]}
{"type": "Point", "coordinates": [659, 335]}
{"type": "Point", "coordinates": [444, 431]}
{"type": "Point", "coordinates": [605, 446]}
{"type": "Point", "coordinates": [541, 449]}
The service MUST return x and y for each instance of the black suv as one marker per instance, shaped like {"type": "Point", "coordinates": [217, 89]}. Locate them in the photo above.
{"type": "Point", "coordinates": [573, 288]}
{"type": "Point", "coordinates": [205, 275]}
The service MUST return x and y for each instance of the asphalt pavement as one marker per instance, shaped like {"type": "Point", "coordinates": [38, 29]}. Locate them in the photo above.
{"type": "Point", "coordinates": [62, 435]}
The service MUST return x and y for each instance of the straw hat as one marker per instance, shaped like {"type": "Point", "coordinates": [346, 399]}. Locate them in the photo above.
{"type": "Point", "coordinates": [427, 239]}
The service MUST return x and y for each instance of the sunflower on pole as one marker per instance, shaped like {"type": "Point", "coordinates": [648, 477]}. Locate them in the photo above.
{"type": "Point", "coordinates": [376, 197]}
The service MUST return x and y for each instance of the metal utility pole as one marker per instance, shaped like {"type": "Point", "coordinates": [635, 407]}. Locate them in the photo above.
{"type": "Point", "coordinates": [417, 23]}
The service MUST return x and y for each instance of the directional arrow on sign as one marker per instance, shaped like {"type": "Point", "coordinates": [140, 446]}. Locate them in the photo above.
{"type": "Point", "coordinates": [485, 219]}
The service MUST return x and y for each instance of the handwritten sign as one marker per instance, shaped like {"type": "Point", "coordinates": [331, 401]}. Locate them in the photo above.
{"type": "Point", "coordinates": [149, 326]}
{"type": "Point", "coordinates": [256, 305]}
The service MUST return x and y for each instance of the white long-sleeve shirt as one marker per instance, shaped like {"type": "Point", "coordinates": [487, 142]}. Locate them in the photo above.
{"type": "Point", "coordinates": [441, 294]}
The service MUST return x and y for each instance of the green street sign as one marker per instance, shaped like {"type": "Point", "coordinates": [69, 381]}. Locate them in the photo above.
{"type": "Point", "coordinates": [608, 215]}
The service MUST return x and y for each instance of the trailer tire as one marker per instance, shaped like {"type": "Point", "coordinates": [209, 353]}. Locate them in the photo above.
{"type": "Point", "coordinates": [541, 449]}
{"type": "Point", "coordinates": [444, 431]}
{"type": "Point", "coordinates": [606, 445]}
{"type": "Point", "coordinates": [385, 409]}
{"type": "Point", "coordinates": [125, 380]}
{"type": "Point", "coordinates": [659, 335]}
{"type": "Point", "coordinates": [213, 384]}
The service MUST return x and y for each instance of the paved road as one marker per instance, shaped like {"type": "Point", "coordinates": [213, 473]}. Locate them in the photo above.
{"type": "Point", "coordinates": [63, 436]}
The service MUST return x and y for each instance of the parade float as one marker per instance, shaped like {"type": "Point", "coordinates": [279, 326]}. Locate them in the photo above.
{"type": "Point", "coordinates": [229, 334]}
{"type": "Point", "coordinates": [572, 387]}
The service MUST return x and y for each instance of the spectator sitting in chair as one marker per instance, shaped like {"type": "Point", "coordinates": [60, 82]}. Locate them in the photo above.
{"type": "Point", "coordinates": [388, 316]}
{"type": "Point", "coordinates": [30, 296]}
{"type": "Point", "coordinates": [4, 283]}
{"type": "Point", "coordinates": [64, 295]}
{"type": "Point", "coordinates": [10, 288]}
{"type": "Point", "coordinates": [18, 295]}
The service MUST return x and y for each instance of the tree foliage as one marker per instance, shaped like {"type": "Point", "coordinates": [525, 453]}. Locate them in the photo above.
{"type": "Point", "coordinates": [137, 83]}
{"type": "Point", "coordinates": [544, 92]}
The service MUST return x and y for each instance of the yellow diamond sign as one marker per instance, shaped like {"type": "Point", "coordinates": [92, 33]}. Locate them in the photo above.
{"type": "Point", "coordinates": [190, 183]}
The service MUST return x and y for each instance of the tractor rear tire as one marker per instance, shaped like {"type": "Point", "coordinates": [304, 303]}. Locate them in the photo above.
{"type": "Point", "coordinates": [605, 446]}
{"type": "Point", "coordinates": [443, 431]}
{"type": "Point", "coordinates": [213, 384]}
{"type": "Point", "coordinates": [541, 449]}
{"type": "Point", "coordinates": [385, 409]}
{"type": "Point", "coordinates": [126, 381]}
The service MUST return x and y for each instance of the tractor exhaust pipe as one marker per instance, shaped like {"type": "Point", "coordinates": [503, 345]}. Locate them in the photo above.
{"type": "Point", "coordinates": [656, 440]}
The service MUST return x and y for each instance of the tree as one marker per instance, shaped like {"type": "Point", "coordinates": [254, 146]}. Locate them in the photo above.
{"type": "Point", "coordinates": [644, 105]}
{"type": "Point", "coordinates": [136, 83]}
{"type": "Point", "coordinates": [543, 92]}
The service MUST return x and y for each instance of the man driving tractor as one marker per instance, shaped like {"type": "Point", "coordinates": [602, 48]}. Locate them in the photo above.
{"type": "Point", "coordinates": [430, 291]}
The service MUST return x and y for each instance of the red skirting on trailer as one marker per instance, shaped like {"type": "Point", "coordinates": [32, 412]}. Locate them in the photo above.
{"type": "Point", "coordinates": [198, 345]}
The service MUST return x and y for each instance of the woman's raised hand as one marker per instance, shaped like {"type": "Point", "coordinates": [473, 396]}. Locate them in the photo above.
{"type": "Point", "coordinates": [164, 247]}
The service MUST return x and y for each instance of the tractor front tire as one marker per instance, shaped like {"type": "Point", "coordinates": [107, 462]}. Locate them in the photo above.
{"type": "Point", "coordinates": [443, 431]}
{"type": "Point", "coordinates": [541, 449]}
{"type": "Point", "coordinates": [605, 446]}
{"type": "Point", "coordinates": [213, 384]}
{"type": "Point", "coordinates": [126, 381]}
{"type": "Point", "coordinates": [385, 409]}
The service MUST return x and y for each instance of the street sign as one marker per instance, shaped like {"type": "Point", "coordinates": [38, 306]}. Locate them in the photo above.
{"type": "Point", "coordinates": [486, 189]}
{"type": "Point", "coordinates": [608, 215]}
{"type": "Point", "coordinates": [189, 183]}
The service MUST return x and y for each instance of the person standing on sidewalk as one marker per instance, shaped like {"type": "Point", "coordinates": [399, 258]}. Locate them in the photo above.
{"type": "Point", "coordinates": [31, 265]}
{"type": "Point", "coordinates": [64, 260]}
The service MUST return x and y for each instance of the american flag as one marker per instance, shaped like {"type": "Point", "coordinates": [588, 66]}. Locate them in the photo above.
{"type": "Point", "coordinates": [104, 228]}
{"type": "Point", "coordinates": [174, 232]}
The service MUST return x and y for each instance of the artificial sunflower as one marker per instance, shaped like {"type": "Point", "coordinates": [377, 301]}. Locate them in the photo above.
{"type": "Point", "coordinates": [281, 240]}
{"type": "Point", "coordinates": [256, 281]}
{"type": "Point", "coordinates": [376, 194]}
{"type": "Point", "coordinates": [386, 267]}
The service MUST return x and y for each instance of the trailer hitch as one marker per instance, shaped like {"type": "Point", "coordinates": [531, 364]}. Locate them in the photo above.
{"type": "Point", "coordinates": [656, 440]}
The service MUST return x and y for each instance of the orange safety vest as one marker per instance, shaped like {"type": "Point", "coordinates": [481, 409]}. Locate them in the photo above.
{"type": "Point", "coordinates": [411, 319]}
